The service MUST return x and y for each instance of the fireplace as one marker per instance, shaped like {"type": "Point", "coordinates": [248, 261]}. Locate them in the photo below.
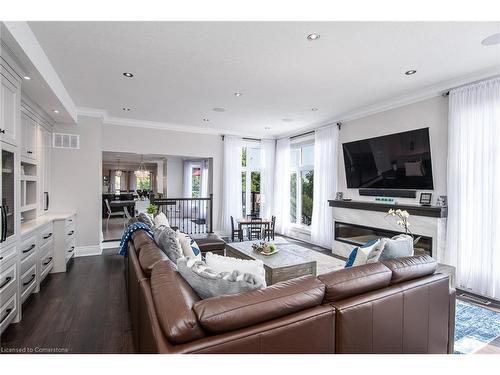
{"type": "Point", "coordinates": [357, 235]}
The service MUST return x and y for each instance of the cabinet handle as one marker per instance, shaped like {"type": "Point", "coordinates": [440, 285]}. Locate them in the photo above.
{"type": "Point", "coordinates": [28, 250]}
{"type": "Point", "coordinates": [6, 281]}
{"type": "Point", "coordinates": [2, 131]}
{"type": "Point", "coordinates": [30, 280]}
{"type": "Point", "coordinates": [70, 233]}
{"type": "Point", "coordinates": [6, 315]}
{"type": "Point", "coordinates": [72, 248]}
{"type": "Point", "coordinates": [47, 236]}
{"type": "Point", "coordinates": [29, 152]}
{"type": "Point", "coordinates": [48, 261]}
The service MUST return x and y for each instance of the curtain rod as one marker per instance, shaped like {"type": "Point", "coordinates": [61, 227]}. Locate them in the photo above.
{"type": "Point", "coordinates": [470, 83]}
{"type": "Point", "coordinates": [247, 139]}
{"type": "Point", "coordinates": [303, 134]}
{"type": "Point", "coordinates": [339, 124]}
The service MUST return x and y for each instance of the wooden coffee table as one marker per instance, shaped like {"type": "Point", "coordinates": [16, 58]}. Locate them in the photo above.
{"type": "Point", "coordinates": [284, 265]}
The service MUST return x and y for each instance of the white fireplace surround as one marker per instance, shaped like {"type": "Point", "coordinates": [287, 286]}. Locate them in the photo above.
{"type": "Point", "coordinates": [422, 225]}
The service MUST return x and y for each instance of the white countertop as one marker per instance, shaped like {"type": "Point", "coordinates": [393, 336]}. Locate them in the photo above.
{"type": "Point", "coordinates": [34, 224]}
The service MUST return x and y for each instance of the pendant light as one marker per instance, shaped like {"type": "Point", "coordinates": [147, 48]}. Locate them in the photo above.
{"type": "Point", "coordinates": [141, 173]}
{"type": "Point", "coordinates": [118, 172]}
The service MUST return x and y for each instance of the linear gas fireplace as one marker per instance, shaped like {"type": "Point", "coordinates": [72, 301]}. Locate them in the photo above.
{"type": "Point", "coordinates": [357, 235]}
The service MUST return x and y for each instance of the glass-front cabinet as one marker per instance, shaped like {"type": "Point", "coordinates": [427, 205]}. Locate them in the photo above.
{"type": "Point", "coordinates": [8, 196]}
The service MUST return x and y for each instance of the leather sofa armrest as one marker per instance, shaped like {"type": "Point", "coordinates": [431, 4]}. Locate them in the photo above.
{"type": "Point", "coordinates": [451, 324]}
{"type": "Point", "coordinates": [229, 313]}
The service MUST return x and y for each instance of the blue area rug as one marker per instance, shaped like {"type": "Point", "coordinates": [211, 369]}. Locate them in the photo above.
{"type": "Point", "coordinates": [475, 327]}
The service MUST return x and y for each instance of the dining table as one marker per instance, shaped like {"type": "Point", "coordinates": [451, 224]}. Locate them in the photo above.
{"type": "Point", "coordinates": [246, 221]}
{"type": "Point", "coordinates": [125, 205]}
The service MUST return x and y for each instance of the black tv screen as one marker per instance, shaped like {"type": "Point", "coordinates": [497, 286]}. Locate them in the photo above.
{"type": "Point", "coordinates": [395, 161]}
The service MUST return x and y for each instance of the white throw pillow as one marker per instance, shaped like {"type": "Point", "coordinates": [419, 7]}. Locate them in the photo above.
{"type": "Point", "coordinates": [364, 254]}
{"type": "Point", "coordinates": [188, 246]}
{"type": "Point", "coordinates": [161, 220]}
{"type": "Point", "coordinates": [221, 263]}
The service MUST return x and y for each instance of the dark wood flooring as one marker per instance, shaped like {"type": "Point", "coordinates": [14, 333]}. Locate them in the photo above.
{"type": "Point", "coordinates": [81, 311]}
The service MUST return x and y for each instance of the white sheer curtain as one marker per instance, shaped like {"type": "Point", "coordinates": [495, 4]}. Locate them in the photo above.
{"type": "Point", "coordinates": [473, 238]}
{"type": "Point", "coordinates": [204, 188]}
{"type": "Point", "coordinates": [268, 148]}
{"type": "Point", "coordinates": [231, 182]}
{"type": "Point", "coordinates": [187, 182]}
{"type": "Point", "coordinates": [281, 202]}
{"type": "Point", "coordinates": [326, 142]}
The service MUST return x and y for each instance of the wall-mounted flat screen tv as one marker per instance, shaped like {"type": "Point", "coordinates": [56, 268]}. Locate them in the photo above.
{"type": "Point", "coordinates": [395, 161]}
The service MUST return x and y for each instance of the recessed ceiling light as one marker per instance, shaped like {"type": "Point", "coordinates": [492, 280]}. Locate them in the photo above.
{"type": "Point", "coordinates": [313, 36]}
{"type": "Point", "coordinates": [55, 111]}
{"type": "Point", "coordinates": [206, 120]}
{"type": "Point", "coordinates": [219, 109]}
{"type": "Point", "coordinates": [314, 109]}
{"type": "Point", "coordinates": [127, 74]}
{"type": "Point", "coordinates": [410, 72]}
{"type": "Point", "coordinates": [491, 40]}
{"type": "Point", "coordinates": [287, 120]}
{"type": "Point", "coordinates": [267, 128]}
{"type": "Point", "coordinates": [238, 94]}
{"type": "Point", "coordinates": [126, 109]}
{"type": "Point", "coordinates": [27, 78]}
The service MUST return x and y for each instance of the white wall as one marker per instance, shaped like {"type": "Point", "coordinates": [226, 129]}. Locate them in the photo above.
{"type": "Point", "coordinates": [155, 141]}
{"type": "Point", "coordinates": [175, 173]}
{"type": "Point", "coordinates": [431, 113]}
{"type": "Point", "coordinates": [77, 178]}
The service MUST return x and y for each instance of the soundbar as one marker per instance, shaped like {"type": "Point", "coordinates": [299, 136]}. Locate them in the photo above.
{"type": "Point", "coordinates": [388, 193]}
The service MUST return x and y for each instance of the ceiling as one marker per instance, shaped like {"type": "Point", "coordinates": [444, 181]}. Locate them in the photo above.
{"type": "Point", "coordinates": [182, 70]}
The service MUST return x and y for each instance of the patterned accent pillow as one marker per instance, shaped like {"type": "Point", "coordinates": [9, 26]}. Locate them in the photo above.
{"type": "Point", "coordinates": [167, 241]}
{"type": "Point", "coordinates": [397, 247]}
{"type": "Point", "coordinates": [208, 283]}
{"type": "Point", "coordinates": [161, 220]}
{"type": "Point", "coordinates": [146, 219]}
{"type": "Point", "coordinates": [189, 246]}
{"type": "Point", "coordinates": [368, 253]}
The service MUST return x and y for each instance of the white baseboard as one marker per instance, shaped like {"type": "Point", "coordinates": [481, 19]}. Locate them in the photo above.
{"type": "Point", "coordinates": [86, 251]}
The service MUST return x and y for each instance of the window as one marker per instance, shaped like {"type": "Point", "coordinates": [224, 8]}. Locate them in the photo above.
{"type": "Point", "coordinates": [144, 184]}
{"type": "Point", "coordinates": [117, 183]}
{"type": "Point", "coordinates": [250, 178]}
{"type": "Point", "coordinates": [196, 182]}
{"type": "Point", "coordinates": [301, 184]}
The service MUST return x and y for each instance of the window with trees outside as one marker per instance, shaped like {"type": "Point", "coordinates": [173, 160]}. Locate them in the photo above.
{"type": "Point", "coordinates": [250, 178]}
{"type": "Point", "coordinates": [196, 182]}
{"type": "Point", "coordinates": [301, 183]}
{"type": "Point", "coordinates": [144, 184]}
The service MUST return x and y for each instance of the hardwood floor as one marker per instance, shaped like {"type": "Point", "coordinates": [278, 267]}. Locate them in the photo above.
{"type": "Point", "coordinates": [81, 311]}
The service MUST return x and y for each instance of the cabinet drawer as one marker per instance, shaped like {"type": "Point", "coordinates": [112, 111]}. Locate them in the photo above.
{"type": "Point", "coordinates": [28, 247]}
{"type": "Point", "coordinates": [70, 222]}
{"type": "Point", "coordinates": [70, 249]}
{"type": "Point", "coordinates": [46, 234]}
{"type": "Point", "coordinates": [7, 257]}
{"type": "Point", "coordinates": [46, 263]}
{"type": "Point", "coordinates": [70, 234]}
{"type": "Point", "coordinates": [27, 263]}
{"type": "Point", "coordinates": [8, 312]}
{"type": "Point", "coordinates": [28, 283]}
{"type": "Point", "coordinates": [8, 282]}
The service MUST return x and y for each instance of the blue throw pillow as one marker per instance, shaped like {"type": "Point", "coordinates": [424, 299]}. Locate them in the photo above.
{"type": "Point", "coordinates": [195, 247]}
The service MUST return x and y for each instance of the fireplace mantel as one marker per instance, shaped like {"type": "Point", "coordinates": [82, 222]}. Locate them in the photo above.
{"type": "Point", "coordinates": [413, 209]}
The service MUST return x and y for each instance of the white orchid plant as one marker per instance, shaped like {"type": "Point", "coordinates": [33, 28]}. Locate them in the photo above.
{"type": "Point", "coordinates": [403, 221]}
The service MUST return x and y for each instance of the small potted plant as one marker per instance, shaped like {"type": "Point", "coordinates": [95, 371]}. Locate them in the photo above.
{"type": "Point", "coordinates": [151, 210]}
{"type": "Point", "coordinates": [403, 221]}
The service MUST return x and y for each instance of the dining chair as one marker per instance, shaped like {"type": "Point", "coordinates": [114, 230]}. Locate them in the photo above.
{"type": "Point", "coordinates": [237, 232]}
{"type": "Point", "coordinates": [269, 232]}
{"type": "Point", "coordinates": [111, 214]}
{"type": "Point", "coordinates": [255, 230]}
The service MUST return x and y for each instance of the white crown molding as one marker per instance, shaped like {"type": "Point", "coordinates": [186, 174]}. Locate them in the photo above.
{"type": "Point", "coordinates": [86, 251]}
{"type": "Point", "coordinates": [414, 97]}
{"type": "Point", "coordinates": [120, 121]}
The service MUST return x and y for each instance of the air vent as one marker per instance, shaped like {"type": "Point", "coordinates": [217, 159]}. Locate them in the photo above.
{"type": "Point", "coordinates": [61, 140]}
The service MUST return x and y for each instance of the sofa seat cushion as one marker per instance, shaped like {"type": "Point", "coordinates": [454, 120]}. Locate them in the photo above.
{"type": "Point", "coordinates": [149, 255]}
{"type": "Point", "coordinates": [173, 299]}
{"type": "Point", "coordinates": [229, 313]}
{"type": "Point", "coordinates": [352, 281]}
{"type": "Point", "coordinates": [409, 268]}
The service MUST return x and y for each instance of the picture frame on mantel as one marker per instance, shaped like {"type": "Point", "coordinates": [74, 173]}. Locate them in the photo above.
{"type": "Point", "coordinates": [425, 199]}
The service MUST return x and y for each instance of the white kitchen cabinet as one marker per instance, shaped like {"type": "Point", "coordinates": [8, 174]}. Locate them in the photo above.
{"type": "Point", "coordinates": [10, 103]}
{"type": "Point", "coordinates": [28, 137]}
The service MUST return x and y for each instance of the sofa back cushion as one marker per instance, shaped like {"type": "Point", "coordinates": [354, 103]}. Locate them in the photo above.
{"type": "Point", "coordinates": [409, 268]}
{"type": "Point", "coordinates": [173, 299]}
{"type": "Point", "coordinates": [228, 313]}
{"type": "Point", "coordinates": [352, 281]}
{"type": "Point", "coordinates": [149, 255]}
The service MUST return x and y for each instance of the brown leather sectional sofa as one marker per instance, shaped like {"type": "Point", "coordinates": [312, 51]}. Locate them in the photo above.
{"type": "Point", "coordinates": [399, 306]}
